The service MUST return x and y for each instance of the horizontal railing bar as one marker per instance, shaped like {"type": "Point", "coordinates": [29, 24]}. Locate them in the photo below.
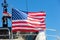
{"type": "Point", "coordinates": [4, 35]}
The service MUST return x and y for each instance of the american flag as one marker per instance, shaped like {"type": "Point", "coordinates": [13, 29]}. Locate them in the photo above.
{"type": "Point", "coordinates": [27, 21]}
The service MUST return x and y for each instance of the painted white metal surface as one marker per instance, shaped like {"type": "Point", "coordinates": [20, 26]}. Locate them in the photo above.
{"type": "Point", "coordinates": [41, 36]}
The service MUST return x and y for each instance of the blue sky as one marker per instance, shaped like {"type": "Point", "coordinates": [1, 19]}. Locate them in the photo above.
{"type": "Point", "coordinates": [51, 7]}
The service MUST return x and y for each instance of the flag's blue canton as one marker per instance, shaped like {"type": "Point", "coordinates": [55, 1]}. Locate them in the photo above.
{"type": "Point", "coordinates": [18, 15]}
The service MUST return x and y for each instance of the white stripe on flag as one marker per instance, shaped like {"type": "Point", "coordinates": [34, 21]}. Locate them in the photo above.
{"type": "Point", "coordinates": [33, 22]}
{"type": "Point", "coordinates": [35, 19]}
{"type": "Point", "coordinates": [18, 20]}
{"type": "Point", "coordinates": [37, 25]}
{"type": "Point", "coordinates": [36, 16]}
{"type": "Point", "coordinates": [26, 28]}
{"type": "Point", "coordinates": [24, 24]}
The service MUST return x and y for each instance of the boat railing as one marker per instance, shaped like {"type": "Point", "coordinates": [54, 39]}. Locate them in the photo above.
{"type": "Point", "coordinates": [3, 32]}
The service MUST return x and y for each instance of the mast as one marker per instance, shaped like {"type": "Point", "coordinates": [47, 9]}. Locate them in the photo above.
{"type": "Point", "coordinates": [4, 18]}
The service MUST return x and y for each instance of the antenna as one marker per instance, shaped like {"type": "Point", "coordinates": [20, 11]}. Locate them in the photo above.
{"type": "Point", "coordinates": [4, 18]}
{"type": "Point", "coordinates": [4, 5]}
